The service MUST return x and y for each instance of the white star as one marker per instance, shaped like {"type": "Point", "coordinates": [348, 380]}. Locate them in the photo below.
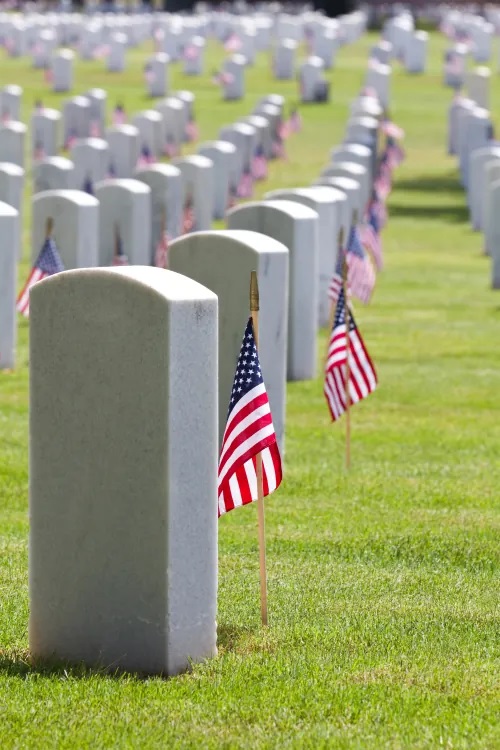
{"type": "Point", "coordinates": [250, 372]}
{"type": "Point", "coordinates": [239, 390]}
{"type": "Point", "coordinates": [249, 380]}
{"type": "Point", "coordinates": [240, 381]}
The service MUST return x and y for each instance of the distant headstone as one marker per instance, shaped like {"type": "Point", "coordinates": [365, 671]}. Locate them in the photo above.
{"type": "Point", "coordinates": [494, 234]}
{"type": "Point", "coordinates": [12, 187]}
{"type": "Point", "coordinates": [116, 57]}
{"type": "Point", "coordinates": [416, 52]}
{"type": "Point", "coordinates": [150, 125]}
{"type": "Point", "coordinates": [76, 226]}
{"type": "Point", "coordinates": [98, 101]}
{"type": "Point", "coordinates": [157, 75]}
{"type": "Point", "coordinates": [296, 227]}
{"type": "Point", "coordinates": [352, 190]}
{"type": "Point", "coordinates": [192, 56]}
{"type": "Point", "coordinates": [478, 86]}
{"type": "Point", "coordinates": [284, 59]}
{"type": "Point", "coordinates": [329, 204]}
{"type": "Point", "coordinates": [233, 78]}
{"type": "Point", "coordinates": [198, 181]}
{"type": "Point", "coordinates": [172, 110]}
{"type": "Point", "coordinates": [477, 184]}
{"type": "Point", "coordinates": [165, 183]}
{"type": "Point", "coordinates": [489, 218]}
{"type": "Point", "coordinates": [312, 85]}
{"type": "Point", "coordinates": [378, 77]}
{"type": "Point", "coordinates": [12, 142]}
{"type": "Point", "coordinates": [222, 261]}
{"type": "Point", "coordinates": [10, 102]}
{"type": "Point", "coordinates": [62, 70]}
{"type": "Point", "coordinates": [91, 159]}
{"type": "Point", "coordinates": [127, 360]}
{"type": "Point", "coordinates": [45, 125]}
{"type": "Point", "coordinates": [53, 173]}
{"type": "Point", "coordinates": [223, 156]}
{"type": "Point", "coordinates": [124, 150]}
{"type": "Point", "coordinates": [10, 242]}
{"type": "Point", "coordinates": [126, 207]}
{"type": "Point", "coordinates": [76, 119]}
{"type": "Point", "coordinates": [354, 171]}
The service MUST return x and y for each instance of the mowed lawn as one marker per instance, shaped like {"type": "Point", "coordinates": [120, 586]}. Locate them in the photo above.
{"type": "Point", "coordinates": [383, 582]}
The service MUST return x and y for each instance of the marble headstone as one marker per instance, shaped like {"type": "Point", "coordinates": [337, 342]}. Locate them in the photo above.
{"type": "Point", "coordinates": [10, 242]}
{"type": "Point", "coordinates": [53, 173]}
{"type": "Point", "coordinates": [223, 156]}
{"type": "Point", "coordinates": [125, 206]}
{"type": "Point", "coordinates": [198, 182]}
{"type": "Point", "coordinates": [165, 183]}
{"type": "Point", "coordinates": [123, 141]}
{"type": "Point", "coordinates": [123, 395]}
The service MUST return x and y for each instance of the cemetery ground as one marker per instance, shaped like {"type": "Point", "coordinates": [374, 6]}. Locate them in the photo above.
{"type": "Point", "coordinates": [383, 582]}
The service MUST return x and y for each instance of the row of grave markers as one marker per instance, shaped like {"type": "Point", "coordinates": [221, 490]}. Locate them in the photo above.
{"type": "Point", "coordinates": [470, 129]}
{"type": "Point", "coordinates": [131, 370]}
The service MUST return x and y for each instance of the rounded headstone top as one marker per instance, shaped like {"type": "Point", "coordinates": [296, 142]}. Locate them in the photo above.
{"type": "Point", "coordinates": [97, 93]}
{"type": "Point", "coordinates": [161, 57]}
{"type": "Point", "coordinates": [77, 197]}
{"type": "Point", "coordinates": [351, 148]}
{"type": "Point", "coordinates": [169, 285]}
{"type": "Point", "coordinates": [50, 114]}
{"type": "Point", "coordinates": [99, 143]}
{"type": "Point", "coordinates": [78, 101]}
{"type": "Point", "coordinates": [258, 242]}
{"type": "Point", "coordinates": [12, 89]}
{"type": "Point", "coordinates": [125, 183]}
{"type": "Point", "coordinates": [238, 60]}
{"type": "Point", "coordinates": [291, 208]}
{"type": "Point", "coordinates": [14, 127]}
{"type": "Point", "coordinates": [351, 167]}
{"type": "Point", "coordinates": [61, 162]}
{"type": "Point", "coordinates": [220, 145]}
{"type": "Point", "coordinates": [148, 114]}
{"type": "Point", "coordinates": [6, 210]}
{"type": "Point", "coordinates": [173, 102]}
{"type": "Point", "coordinates": [167, 170]}
{"type": "Point", "coordinates": [197, 160]}
{"type": "Point", "coordinates": [13, 169]}
{"type": "Point", "coordinates": [65, 54]}
{"type": "Point", "coordinates": [185, 96]}
{"type": "Point", "coordinates": [316, 193]}
{"type": "Point", "coordinates": [343, 183]}
{"type": "Point", "coordinates": [126, 129]}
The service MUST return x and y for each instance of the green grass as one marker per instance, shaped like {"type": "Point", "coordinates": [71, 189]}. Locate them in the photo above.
{"type": "Point", "coordinates": [383, 583]}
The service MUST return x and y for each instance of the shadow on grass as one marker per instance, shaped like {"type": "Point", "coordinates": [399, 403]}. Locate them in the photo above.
{"type": "Point", "coordinates": [449, 214]}
{"type": "Point", "coordinates": [230, 637]}
{"type": "Point", "coordinates": [443, 183]}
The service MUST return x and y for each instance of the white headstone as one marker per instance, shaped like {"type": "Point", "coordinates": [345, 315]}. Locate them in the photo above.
{"type": "Point", "coordinates": [62, 70]}
{"type": "Point", "coordinates": [12, 142]}
{"type": "Point", "coordinates": [331, 207]}
{"type": "Point", "coordinates": [165, 183]}
{"type": "Point", "coordinates": [172, 111]}
{"type": "Point", "coordinates": [45, 125]}
{"type": "Point", "coordinates": [127, 473]}
{"type": "Point", "coordinates": [198, 181]}
{"type": "Point", "coordinates": [222, 154]}
{"type": "Point", "coordinates": [150, 125]}
{"type": "Point", "coordinates": [477, 182]}
{"type": "Point", "coordinates": [352, 190]}
{"type": "Point", "coordinates": [76, 119]}
{"type": "Point", "coordinates": [378, 77]}
{"type": "Point", "coordinates": [416, 52]}
{"type": "Point", "coordinates": [488, 216]}
{"type": "Point", "coordinates": [494, 234]}
{"type": "Point", "coordinates": [123, 141]}
{"type": "Point", "coordinates": [126, 208]}
{"type": "Point", "coordinates": [10, 102]}
{"type": "Point", "coordinates": [98, 101]}
{"type": "Point", "coordinates": [53, 173]}
{"type": "Point", "coordinates": [284, 59]}
{"type": "Point", "coordinates": [91, 159]}
{"type": "Point", "coordinates": [75, 230]}
{"type": "Point", "coordinates": [223, 261]}
{"type": "Point", "coordinates": [312, 84]}
{"type": "Point", "coordinates": [10, 243]}
{"type": "Point", "coordinates": [116, 57]}
{"type": "Point", "coordinates": [296, 227]}
{"type": "Point", "coordinates": [478, 86]}
{"type": "Point", "coordinates": [192, 56]}
{"type": "Point", "coordinates": [233, 81]}
{"type": "Point", "coordinates": [355, 172]}
{"type": "Point", "coordinates": [157, 75]}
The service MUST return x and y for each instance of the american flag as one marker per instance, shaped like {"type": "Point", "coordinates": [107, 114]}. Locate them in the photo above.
{"type": "Point", "coordinates": [279, 147]}
{"type": "Point", "coordinates": [379, 209]}
{"type": "Point", "coordinates": [249, 431]}
{"type": "Point", "coordinates": [5, 115]}
{"type": "Point", "coordinates": [188, 220]}
{"type": "Point", "coordinates": [95, 129]}
{"type": "Point", "coordinates": [391, 130]}
{"type": "Point", "coordinates": [383, 182]}
{"type": "Point", "coordinates": [223, 78]}
{"type": "Point", "coordinates": [369, 235]}
{"type": "Point", "coordinates": [233, 43]}
{"type": "Point", "coordinates": [161, 252]}
{"type": "Point", "coordinates": [395, 153]}
{"type": "Point", "coordinates": [337, 280]}
{"type": "Point", "coordinates": [47, 263]}
{"type": "Point", "coordinates": [149, 75]}
{"type": "Point", "coordinates": [119, 258]}
{"type": "Point", "coordinates": [192, 133]}
{"type": "Point", "coordinates": [39, 151]}
{"type": "Point", "coordinates": [295, 121]}
{"type": "Point", "coordinates": [360, 273]}
{"type": "Point", "coordinates": [191, 52]}
{"type": "Point", "coordinates": [71, 138]}
{"type": "Point", "coordinates": [145, 158]}
{"type": "Point", "coordinates": [259, 164]}
{"type": "Point", "coordinates": [88, 187]}
{"type": "Point", "coordinates": [362, 375]}
{"type": "Point", "coordinates": [170, 148]}
{"type": "Point", "coordinates": [119, 117]}
{"type": "Point", "coordinates": [245, 186]}
{"type": "Point", "coordinates": [48, 75]}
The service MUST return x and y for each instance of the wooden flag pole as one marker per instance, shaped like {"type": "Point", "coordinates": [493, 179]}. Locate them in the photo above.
{"type": "Point", "coordinates": [49, 226]}
{"type": "Point", "coordinates": [347, 364]}
{"type": "Point", "coordinates": [333, 305]}
{"type": "Point", "coordinates": [254, 311]}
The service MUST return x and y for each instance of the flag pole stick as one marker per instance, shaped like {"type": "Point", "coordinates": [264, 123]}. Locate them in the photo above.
{"type": "Point", "coordinates": [254, 311]}
{"type": "Point", "coordinates": [49, 226]}
{"type": "Point", "coordinates": [333, 305]}
{"type": "Point", "coordinates": [347, 372]}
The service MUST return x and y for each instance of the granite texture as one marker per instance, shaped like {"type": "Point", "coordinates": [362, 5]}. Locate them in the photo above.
{"type": "Point", "coordinates": [123, 470]}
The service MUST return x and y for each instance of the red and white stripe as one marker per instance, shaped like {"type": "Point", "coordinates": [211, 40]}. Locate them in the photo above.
{"type": "Point", "coordinates": [372, 244]}
{"type": "Point", "coordinates": [23, 301]}
{"type": "Point", "coordinates": [249, 431]}
{"type": "Point", "coordinates": [362, 375]}
{"type": "Point", "coordinates": [361, 277]}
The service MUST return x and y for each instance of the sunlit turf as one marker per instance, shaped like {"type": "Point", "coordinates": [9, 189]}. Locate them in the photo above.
{"type": "Point", "coordinates": [383, 583]}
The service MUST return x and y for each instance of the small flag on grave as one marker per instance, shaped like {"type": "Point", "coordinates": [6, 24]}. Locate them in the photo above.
{"type": "Point", "coordinates": [170, 149]}
{"type": "Point", "coordinates": [360, 274]}
{"type": "Point", "coordinates": [245, 186]}
{"type": "Point", "coordinates": [259, 164]}
{"type": "Point", "coordinates": [161, 252]}
{"type": "Point", "coordinates": [119, 117]}
{"type": "Point", "coordinates": [250, 462]}
{"type": "Point", "coordinates": [349, 373]}
{"type": "Point", "coordinates": [232, 43]}
{"type": "Point", "coordinates": [192, 133]}
{"type": "Point", "coordinates": [95, 129]}
{"type": "Point", "coordinates": [188, 219]}
{"type": "Point", "coordinates": [71, 139]}
{"type": "Point", "coordinates": [369, 235]}
{"type": "Point", "coordinates": [119, 258]}
{"type": "Point", "coordinates": [39, 151]}
{"type": "Point", "coordinates": [232, 196]}
{"type": "Point", "coordinates": [88, 186]}
{"type": "Point", "coordinates": [295, 121]}
{"type": "Point", "coordinates": [149, 75]}
{"type": "Point", "coordinates": [145, 158]}
{"type": "Point", "coordinates": [47, 264]}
